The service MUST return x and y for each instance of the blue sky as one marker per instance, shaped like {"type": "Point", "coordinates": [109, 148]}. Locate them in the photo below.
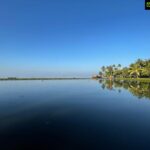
{"type": "Point", "coordinates": [71, 37]}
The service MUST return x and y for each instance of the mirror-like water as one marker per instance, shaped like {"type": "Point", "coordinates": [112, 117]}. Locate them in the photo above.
{"type": "Point", "coordinates": [74, 114]}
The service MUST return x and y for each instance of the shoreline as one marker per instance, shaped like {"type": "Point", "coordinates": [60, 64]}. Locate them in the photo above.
{"type": "Point", "coordinates": [134, 79]}
{"type": "Point", "coordinates": [16, 79]}
{"type": "Point", "coordinates": [126, 79]}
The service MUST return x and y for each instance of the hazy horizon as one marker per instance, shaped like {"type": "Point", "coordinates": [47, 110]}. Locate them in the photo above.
{"type": "Point", "coordinates": [55, 38]}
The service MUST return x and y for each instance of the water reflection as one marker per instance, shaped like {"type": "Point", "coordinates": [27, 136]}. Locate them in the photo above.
{"type": "Point", "coordinates": [138, 89]}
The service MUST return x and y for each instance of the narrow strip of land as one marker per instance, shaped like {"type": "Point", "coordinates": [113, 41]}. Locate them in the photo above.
{"type": "Point", "coordinates": [4, 79]}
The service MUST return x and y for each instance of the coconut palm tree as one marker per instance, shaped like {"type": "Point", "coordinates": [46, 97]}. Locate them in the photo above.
{"type": "Point", "coordinates": [146, 71]}
{"type": "Point", "coordinates": [134, 70]}
{"type": "Point", "coordinates": [101, 74]}
{"type": "Point", "coordinates": [119, 66]}
{"type": "Point", "coordinates": [103, 68]}
{"type": "Point", "coordinates": [109, 72]}
{"type": "Point", "coordinates": [125, 72]}
{"type": "Point", "coordinates": [141, 68]}
{"type": "Point", "coordinates": [113, 65]}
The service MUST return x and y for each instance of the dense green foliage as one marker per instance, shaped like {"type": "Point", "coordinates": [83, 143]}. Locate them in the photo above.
{"type": "Point", "coordinates": [139, 69]}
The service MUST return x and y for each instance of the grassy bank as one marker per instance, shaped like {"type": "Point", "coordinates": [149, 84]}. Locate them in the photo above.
{"type": "Point", "coordinates": [134, 79]}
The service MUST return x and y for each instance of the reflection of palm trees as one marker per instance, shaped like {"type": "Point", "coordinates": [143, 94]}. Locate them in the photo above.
{"type": "Point", "coordinates": [100, 81]}
{"type": "Point", "coordinates": [103, 86]}
{"type": "Point", "coordinates": [119, 91]}
{"type": "Point", "coordinates": [138, 89]}
{"type": "Point", "coordinates": [110, 85]}
{"type": "Point", "coordinates": [135, 90]}
{"type": "Point", "coordinates": [107, 84]}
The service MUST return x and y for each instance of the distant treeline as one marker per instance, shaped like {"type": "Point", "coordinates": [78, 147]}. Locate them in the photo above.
{"type": "Point", "coordinates": [15, 78]}
{"type": "Point", "coordinates": [139, 69]}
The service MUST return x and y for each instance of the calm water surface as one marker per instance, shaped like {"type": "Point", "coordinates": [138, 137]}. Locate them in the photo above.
{"type": "Point", "coordinates": [74, 114]}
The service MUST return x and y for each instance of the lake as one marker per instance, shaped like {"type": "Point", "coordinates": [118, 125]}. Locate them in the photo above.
{"type": "Point", "coordinates": [74, 114]}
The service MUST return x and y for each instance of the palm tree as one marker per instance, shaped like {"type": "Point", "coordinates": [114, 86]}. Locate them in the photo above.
{"type": "Point", "coordinates": [119, 66]}
{"type": "Point", "coordinates": [125, 72]}
{"type": "Point", "coordinates": [146, 71]}
{"type": "Point", "coordinates": [103, 68]}
{"type": "Point", "coordinates": [109, 72]}
{"type": "Point", "coordinates": [141, 68]}
{"type": "Point", "coordinates": [144, 67]}
{"type": "Point", "coordinates": [134, 70]}
{"type": "Point", "coordinates": [147, 67]}
{"type": "Point", "coordinates": [141, 63]}
{"type": "Point", "coordinates": [114, 65]}
{"type": "Point", "coordinates": [100, 74]}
